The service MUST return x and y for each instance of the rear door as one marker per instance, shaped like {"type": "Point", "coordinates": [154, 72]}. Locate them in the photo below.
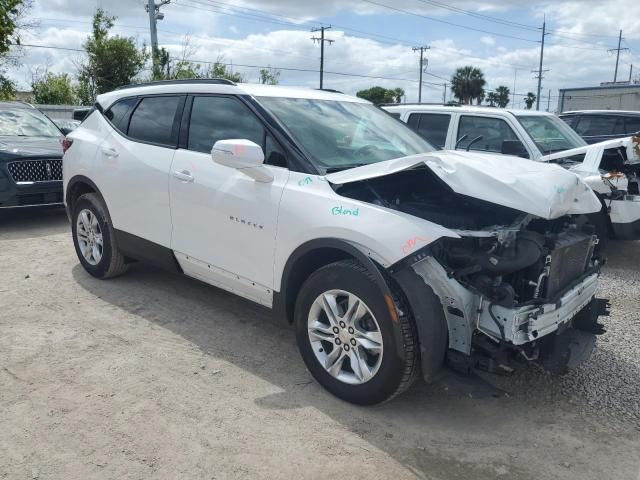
{"type": "Point", "coordinates": [433, 127]}
{"type": "Point", "coordinates": [134, 160]}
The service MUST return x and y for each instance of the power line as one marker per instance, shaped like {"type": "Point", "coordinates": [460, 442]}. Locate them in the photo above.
{"type": "Point", "coordinates": [407, 12]}
{"type": "Point", "coordinates": [481, 16]}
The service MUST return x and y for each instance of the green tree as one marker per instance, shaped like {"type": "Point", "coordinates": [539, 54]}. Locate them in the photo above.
{"type": "Point", "coordinates": [111, 61]}
{"type": "Point", "coordinates": [379, 95]}
{"type": "Point", "coordinates": [467, 84]}
{"type": "Point", "coordinates": [492, 98]}
{"type": "Point", "coordinates": [51, 89]}
{"type": "Point", "coordinates": [269, 76]}
{"type": "Point", "coordinates": [502, 96]}
{"type": "Point", "coordinates": [221, 70]}
{"type": "Point", "coordinates": [12, 13]}
{"type": "Point", "coordinates": [7, 89]}
{"type": "Point", "coordinates": [529, 100]}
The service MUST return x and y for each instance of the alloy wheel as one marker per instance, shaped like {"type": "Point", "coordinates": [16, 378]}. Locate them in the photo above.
{"type": "Point", "coordinates": [345, 337]}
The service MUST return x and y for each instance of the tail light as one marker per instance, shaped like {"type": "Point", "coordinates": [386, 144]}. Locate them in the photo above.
{"type": "Point", "coordinates": [66, 144]}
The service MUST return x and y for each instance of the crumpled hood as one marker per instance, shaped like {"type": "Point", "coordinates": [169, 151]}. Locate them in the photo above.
{"type": "Point", "coordinates": [547, 191]}
{"type": "Point", "coordinates": [16, 147]}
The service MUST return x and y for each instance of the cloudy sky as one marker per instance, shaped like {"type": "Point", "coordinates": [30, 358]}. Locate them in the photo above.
{"type": "Point", "coordinates": [372, 38]}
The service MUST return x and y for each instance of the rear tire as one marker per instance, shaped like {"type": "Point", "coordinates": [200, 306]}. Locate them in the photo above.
{"type": "Point", "coordinates": [94, 238]}
{"type": "Point", "coordinates": [379, 355]}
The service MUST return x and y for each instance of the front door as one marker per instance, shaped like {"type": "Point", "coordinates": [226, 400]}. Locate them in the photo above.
{"type": "Point", "coordinates": [224, 222]}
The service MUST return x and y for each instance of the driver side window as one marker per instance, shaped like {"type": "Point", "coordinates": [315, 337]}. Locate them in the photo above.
{"type": "Point", "coordinates": [483, 133]}
{"type": "Point", "coordinates": [224, 118]}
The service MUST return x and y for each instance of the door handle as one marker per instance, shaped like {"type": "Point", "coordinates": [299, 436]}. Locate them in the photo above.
{"type": "Point", "coordinates": [110, 152]}
{"type": "Point", "coordinates": [183, 176]}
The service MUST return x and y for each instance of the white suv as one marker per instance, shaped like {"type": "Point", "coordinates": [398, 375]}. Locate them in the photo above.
{"type": "Point", "coordinates": [611, 168]}
{"type": "Point", "coordinates": [387, 256]}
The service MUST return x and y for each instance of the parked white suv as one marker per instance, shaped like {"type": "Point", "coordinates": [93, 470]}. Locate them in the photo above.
{"type": "Point", "coordinates": [610, 168]}
{"type": "Point", "coordinates": [386, 255]}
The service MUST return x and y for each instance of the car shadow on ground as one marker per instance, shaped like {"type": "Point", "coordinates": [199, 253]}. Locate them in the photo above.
{"type": "Point", "coordinates": [20, 223]}
{"type": "Point", "coordinates": [235, 330]}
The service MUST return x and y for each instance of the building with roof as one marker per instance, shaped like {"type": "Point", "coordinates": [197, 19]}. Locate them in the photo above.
{"type": "Point", "coordinates": [607, 96]}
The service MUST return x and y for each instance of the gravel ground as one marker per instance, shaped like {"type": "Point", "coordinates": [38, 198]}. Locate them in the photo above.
{"type": "Point", "coordinates": [154, 375]}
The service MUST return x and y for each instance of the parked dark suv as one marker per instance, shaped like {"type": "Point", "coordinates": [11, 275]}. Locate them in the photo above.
{"type": "Point", "coordinates": [600, 125]}
{"type": "Point", "coordinates": [30, 157]}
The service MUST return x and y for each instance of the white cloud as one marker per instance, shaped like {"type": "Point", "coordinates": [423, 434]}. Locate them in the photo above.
{"type": "Point", "coordinates": [487, 40]}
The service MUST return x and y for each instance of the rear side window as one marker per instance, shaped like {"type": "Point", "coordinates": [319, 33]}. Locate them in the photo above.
{"type": "Point", "coordinates": [485, 134]}
{"type": "Point", "coordinates": [632, 125]}
{"type": "Point", "coordinates": [433, 127]}
{"type": "Point", "coordinates": [118, 113]}
{"type": "Point", "coordinates": [153, 121]}
{"type": "Point", "coordinates": [599, 125]}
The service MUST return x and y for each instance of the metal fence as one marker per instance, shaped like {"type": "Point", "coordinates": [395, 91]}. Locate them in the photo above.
{"type": "Point", "coordinates": [57, 111]}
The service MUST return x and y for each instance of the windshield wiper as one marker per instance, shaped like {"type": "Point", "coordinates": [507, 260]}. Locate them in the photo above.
{"type": "Point", "coordinates": [339, 168]}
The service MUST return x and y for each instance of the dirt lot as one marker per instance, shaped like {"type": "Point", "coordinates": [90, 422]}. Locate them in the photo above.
{"type": "Point", "coordinates": [153, 375]}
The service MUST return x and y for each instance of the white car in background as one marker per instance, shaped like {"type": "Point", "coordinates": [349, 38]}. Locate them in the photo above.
{"type": "Point", "coordinates": [610, 168]}
{"type": "Point", "coordinates": [389, 257]}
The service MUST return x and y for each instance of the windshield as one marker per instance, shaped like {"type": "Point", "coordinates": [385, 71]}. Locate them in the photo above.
{"type": "Point", "coordinates": [550, 134]}
{"type": "Point", "coordinates": [26, 123]}
{"type": "Point", "coordinates": [339, 135]}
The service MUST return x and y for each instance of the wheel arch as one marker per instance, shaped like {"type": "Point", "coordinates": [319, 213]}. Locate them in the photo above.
{"type": "Point", "coordinates": [312, 255]}
{"type": "Point", "coordinates": [77, 186]}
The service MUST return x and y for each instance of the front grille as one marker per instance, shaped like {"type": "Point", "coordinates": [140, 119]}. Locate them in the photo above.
{"type": "Point", "coordinates": [569, 260]}
{"type": "Point", "coordinates": [46, 170]}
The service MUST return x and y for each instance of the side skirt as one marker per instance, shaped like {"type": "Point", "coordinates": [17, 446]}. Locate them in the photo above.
{"type": "Point", "coordinates": [138, 248]}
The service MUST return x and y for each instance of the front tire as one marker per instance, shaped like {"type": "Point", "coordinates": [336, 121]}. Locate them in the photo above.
{"type": "Point", "coordinates": [94, 238]}
{"type": "Point", "coordinates": [348, 339]}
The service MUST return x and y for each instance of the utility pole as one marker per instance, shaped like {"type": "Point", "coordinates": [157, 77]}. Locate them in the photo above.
{"type": "Point", "coordinates": [617, 50]}
{"type": "Point", "coordinates": [549, 100]}
{"type": "Point", "coordinates": [444, 94]}
{"type": "Point", "coordinates": [630, 72]}
{"type": "Point", "coordinates": [322, 41]}
{"type": "Point", "coordinates": [155, 14]}
{"type": "Point", "coordinates": [421, 49]}
{"type": "Point", "coordinates": [544, 32]}
{"type": "Point", "coordinates": [539, 74]}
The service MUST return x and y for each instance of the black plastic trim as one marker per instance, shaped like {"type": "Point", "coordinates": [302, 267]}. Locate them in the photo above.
{"type": "Point", "coordinates": [138, 248]}
{"type": "Point", "coordinates": [196, 81]}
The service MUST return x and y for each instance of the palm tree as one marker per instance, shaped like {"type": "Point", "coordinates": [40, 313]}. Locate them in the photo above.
{"type": "Point", "coordinates": [529, 99]}
{"type": "Point", "coordinates": [468, 84]}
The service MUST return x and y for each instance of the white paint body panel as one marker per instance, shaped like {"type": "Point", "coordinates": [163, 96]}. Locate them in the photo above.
{"type": "Point", "coordinates": [225, 223]}
{"type": "Point", "coordinates": [547, 191]}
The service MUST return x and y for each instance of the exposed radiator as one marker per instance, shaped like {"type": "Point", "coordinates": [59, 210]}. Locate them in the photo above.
{"type": "Point", "coordinates": [569, 260]}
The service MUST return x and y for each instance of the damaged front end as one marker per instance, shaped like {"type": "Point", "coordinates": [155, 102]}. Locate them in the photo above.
{"type": "Point", "coordinates": [517, 277]}
{"type": "Point", "coordinates": [525, 291]}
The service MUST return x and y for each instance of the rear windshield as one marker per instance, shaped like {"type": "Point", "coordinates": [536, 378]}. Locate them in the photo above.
{"type": "Point", "coordinates": [23, 122]}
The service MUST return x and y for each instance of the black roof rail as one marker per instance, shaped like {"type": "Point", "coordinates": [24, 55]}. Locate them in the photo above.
{"type": "Point", "coordinates": [330, 90]}
{"type": "Point", "coordinates": [411, 104]}
{"type": "Point", "coordinates": [213, 81]}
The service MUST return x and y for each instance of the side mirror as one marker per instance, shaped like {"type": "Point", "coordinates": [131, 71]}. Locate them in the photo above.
{"type": "Point", "coordinates": [243, 155]}
{"type": "Point", "coordinates": [514, 147]}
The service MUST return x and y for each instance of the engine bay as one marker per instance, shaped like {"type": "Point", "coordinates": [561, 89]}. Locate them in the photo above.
{"type": "Point", "coordinates": [419, 192]}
